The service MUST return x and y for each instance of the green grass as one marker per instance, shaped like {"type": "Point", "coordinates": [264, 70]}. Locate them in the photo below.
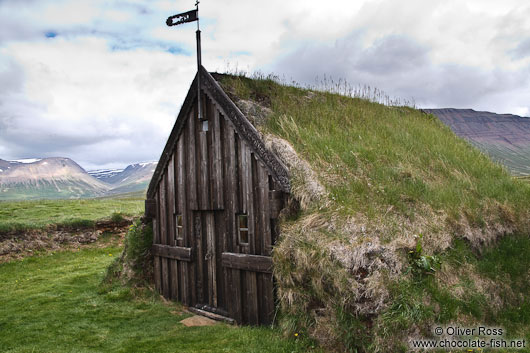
{"type": "Point", "coordinates": [48, 190]}
{"type": "Point", "coordinates": [424, 302]}
{"type": "Point", "coordinates": [509, 262]}
{"type": "Point", "coordinates": [370, 156]}
{"type": "Point", "coordinates": [55, 303]}
{"type": "Point", "coordinates": [24, 215]}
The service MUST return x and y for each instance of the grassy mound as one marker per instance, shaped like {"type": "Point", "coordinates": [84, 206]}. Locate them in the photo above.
{"type": "Point", "coordinates": [135, 264]}
{"type": "Point", "coordinates": [397, 219]}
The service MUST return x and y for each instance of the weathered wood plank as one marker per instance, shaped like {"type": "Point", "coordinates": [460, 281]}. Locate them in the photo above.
{"type": "Point", "coordinates": [231, 182]}
{"type": "Point", "coordinates": [190, 269]}
{"type": "Point", "coordinates": [157, 271]}
{"type": "Point", "coordinates": [237, 304]}
{"type": "Point", "coordinates": [156, 231]}
{"type": "Point", "coordinates": [182, 209]}
{"type": "Point", "coordinates": [171, 200]}
{"type": "Point", "coordinates": [181, 197]}
{"type": "Point", "coordinates": [217, 172]}
{"type": "Point", "coordinates": [174, 279]}
{"type": "Point", "coordinates": [211, 258]}
{"type": "Point", "coordinates": [244, 188]}
{"type": "Point", "coordinates": [191, 171]}
{"type": "Point", "coordinates": [264, 215]}
{"type": "Point", "coordinates": [172, 252]}
{"type": "Point", "coordinates": [211, 151]}
{"type": "Point", "coordinates": [247, 262]}
{"type": "Point", "coordinates": [164, 234]}
{"type": "Point", "coordinates": [233, 287]}
{"type": "Point", "coordinates": [199, 259]}
{"type": "Point", "coordinates": [165, 277]}
{"type": "Point", "coordinates": [265, 285]}
{"type": "Point", "coordinates": [204, 185]}
{"type": "Point", "coordinates": [266, 298]}
{"type": "Point", "coordinates": [220, 247]}
{"type": "Point", "coordinates": [252, 298]}
{"type": "Point", "coordinates": [251, 295]}
{"type": "Point", "coordinates": [264, 280]}
{"type": "Point", "coordinates": [249, 197]}
{"type": "Point", "coordinates": [163, 213]}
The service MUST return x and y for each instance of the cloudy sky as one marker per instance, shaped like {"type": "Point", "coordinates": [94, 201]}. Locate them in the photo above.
{"type": "Point", "coordinates": [102, 81]}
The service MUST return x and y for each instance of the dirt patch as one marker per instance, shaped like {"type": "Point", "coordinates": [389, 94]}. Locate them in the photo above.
{"type": "Point", "coordinates": [17, 245]}
{"type": "Point", "coordinates": [197, 320]}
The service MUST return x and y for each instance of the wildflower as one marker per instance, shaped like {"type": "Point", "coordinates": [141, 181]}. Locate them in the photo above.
{"type": "Point", "coordinates": [296, 334]}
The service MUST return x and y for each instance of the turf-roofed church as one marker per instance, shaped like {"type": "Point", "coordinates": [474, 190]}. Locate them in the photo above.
{"type": "Point", "coordinates": [214, 199]}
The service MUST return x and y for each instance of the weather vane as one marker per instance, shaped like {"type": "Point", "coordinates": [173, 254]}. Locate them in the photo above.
{"type": "Point", "coordinates": [185, 17]}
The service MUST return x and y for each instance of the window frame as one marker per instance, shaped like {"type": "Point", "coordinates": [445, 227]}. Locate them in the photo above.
{"type": "Point", "coordinates": [179, 226]}
{"type": "Point", "coordinates": [242, 229]}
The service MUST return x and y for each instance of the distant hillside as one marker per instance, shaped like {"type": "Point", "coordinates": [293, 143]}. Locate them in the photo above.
{"type": "Point", "coordinates": [50, 178]}
{"type": "Point", "coordinates": [134, 177]}
{"type": "Point", "coordinates": [505, 137]}
{"type": "Point", "coordinates": [105, 174]}
{"type": "Point", "coordinates": [59, 178]}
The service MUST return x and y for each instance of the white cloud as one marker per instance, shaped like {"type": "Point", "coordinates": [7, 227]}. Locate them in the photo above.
{"type": "Point", "coordinates": [106, 89]}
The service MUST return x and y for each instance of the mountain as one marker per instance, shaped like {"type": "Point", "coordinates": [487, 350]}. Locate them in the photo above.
{"type": "Point", "coordinates": [505, 137]}
{"type": "Point", "coordinates": [50, 178]}
{"type": "Point", "coordinates": [134, 177]}
{"type": "Point", "coordinates": [59, 178]}
{"type": "Point", "coordinates": [104, 174]}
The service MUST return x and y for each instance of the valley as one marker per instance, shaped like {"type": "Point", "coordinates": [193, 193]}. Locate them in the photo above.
{"type": "Point", "coordinates": [62, 178]}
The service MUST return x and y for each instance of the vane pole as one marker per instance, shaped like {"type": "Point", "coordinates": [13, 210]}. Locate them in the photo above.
{"type": "Point", "coordinates": [185, 17]}
{"type": "Point", "coordinates": [198, 36]}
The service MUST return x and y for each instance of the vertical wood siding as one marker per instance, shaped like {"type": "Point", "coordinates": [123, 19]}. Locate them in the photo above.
{"type": "Point", "coordinates": [211, 178]}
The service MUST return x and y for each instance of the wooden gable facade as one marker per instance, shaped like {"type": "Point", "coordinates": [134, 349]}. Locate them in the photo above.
{"type": "Point", "coordinates": [214, 199]}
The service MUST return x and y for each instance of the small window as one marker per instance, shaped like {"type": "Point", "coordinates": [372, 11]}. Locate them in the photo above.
{"type": "Point", "coordinates": [178, 230]}
{"type": "Point", "coordinates": [242, 222]}
{"type": "Point", "coordinates": [205, 125]}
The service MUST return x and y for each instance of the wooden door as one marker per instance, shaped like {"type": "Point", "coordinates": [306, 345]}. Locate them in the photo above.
{"type": "Point", "coordinates": [210, 238]}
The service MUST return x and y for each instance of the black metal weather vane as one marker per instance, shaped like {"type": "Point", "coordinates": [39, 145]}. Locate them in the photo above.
{"type": "Point", "coordinates": [184, 17]}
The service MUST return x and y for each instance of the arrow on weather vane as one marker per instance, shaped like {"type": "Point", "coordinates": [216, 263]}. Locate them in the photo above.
{"type": "Point", "coordinates": [191, 16]}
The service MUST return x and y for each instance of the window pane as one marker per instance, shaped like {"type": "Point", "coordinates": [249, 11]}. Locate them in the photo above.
{"type": "Point", "coordinates": [179, 220]}
{"type": "Point", "coordinates": [178, 227]}
{"type": "Point", "coordinates": [243, 236]}
{"type": "Point", "coordinates": [243, 221]}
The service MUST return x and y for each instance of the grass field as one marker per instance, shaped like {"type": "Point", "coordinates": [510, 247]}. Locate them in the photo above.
{"type": "Point", "coordinates": [24, 215]}
{"type": "Point", "coordinates": [56, 303]}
